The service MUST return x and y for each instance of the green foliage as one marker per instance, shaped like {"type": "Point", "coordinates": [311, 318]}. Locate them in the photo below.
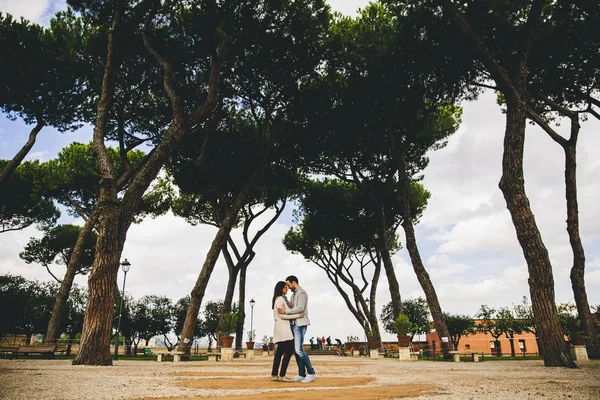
{"type": "Point", "coordinates": [73, 177]}
{"type": "Point", "coordinates": [569, 320]}
{"type": "Point", "coordinates": [372, 336]}
{"type": "Point", "coordinates": [402, 325]}
{"type": "Point", "coordinates": [229, 323]}
{"type": "Point", "coordinates": [209, 324]}
{"type": "Point", "coordinates": [180, 313]}
{"type": "Point", "coordinates": [151, 316]}
{"type": "Point", "coordinates": [459, 326]}
{"type": "Point", "coordinates": [22, 204]}
{"type": "Point", "coordinates": [25, 306]}
{"type": "Point", "coordinates": [524, 312]}
{"type": "Point", "coordinates": [42, 70]}
{"type": "Point", "coordinates": [73, 323]}
{"type": "Point", "coordinates": [489, 321]}
{"type": "Point", "coordinates": [334, 214]}
{"type": "Point", "coordinates": [417, 311]}
{"type": "Point", "coordinates": [381, 81]}
{"type": "Point", "coordinates": [56, 246]}
{"type": "Point", "coordinates": [251, 335]}
{"type": "Point", "coordinates": [506, 321]}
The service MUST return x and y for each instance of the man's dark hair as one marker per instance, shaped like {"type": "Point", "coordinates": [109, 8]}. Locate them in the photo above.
{"type": "Point", "coordinates": [292, 279]}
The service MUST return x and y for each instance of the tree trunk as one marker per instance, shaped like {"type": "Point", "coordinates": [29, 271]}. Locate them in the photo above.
{"type": "Point", "coordinates": [388, 265]}
{"type": "Point", "coordinates": [239, 332]}
{"type": "Point", "coordinates": [512, 183]}
{"type": "Point", "coordinates": [94, 347]}
{"type": "Point", "coordinates": [209, 263]}
{"type": "Point", "coordinates": [115, 220]}
{"type": "Point", "coordinates": [69, 344]}
{"type": "Point", "coordinates": [58, 312]}
{"type": "Point", "coordinates": [511, 339]}
{"type": "Point", "coordinates": [233, 270]}
{"type": "Point", "coordinates": [578, 270]}
{"type": "Point", "coordinates": [415, 257]}
{"type": "Point", "coordinates": [541, 280]}
{"type": "Point", "coordinates": [99, 311]}
{"type": "Point", "coordinates": [10, 167]}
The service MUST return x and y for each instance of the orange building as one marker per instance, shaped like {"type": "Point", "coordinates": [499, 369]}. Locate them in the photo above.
{"type": "Point", "coordinates": [484, 343]}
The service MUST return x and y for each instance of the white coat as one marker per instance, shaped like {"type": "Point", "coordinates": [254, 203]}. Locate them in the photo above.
{"type": "Point", "coordinates": [282, 330]}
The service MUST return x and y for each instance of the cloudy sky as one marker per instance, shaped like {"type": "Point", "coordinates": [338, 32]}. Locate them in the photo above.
{"type": "Point", "coordinates": [466, 236]}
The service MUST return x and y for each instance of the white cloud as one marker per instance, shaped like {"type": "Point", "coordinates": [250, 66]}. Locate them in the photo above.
{"type": "Point", "coordinates": [347, 7]}
{"type": "Point", "coordinates": [442, 267]}
{"type": "Point", "coordinates": [38, 155]}
{"type": "Point", "coordinates": [35, 11]}
{"type": "Point", "coordinates": [492, 233]}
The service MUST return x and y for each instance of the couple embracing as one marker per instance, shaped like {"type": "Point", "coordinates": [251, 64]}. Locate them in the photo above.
{"type": "Point", "coordinates": [291, 321]}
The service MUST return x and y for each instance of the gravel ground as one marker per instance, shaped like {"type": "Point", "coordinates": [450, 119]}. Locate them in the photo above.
{"type": "Point", "coordinates": [58, 379]}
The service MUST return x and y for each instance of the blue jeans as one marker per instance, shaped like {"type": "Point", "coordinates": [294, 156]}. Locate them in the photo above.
{"type": "Point", "coordinates": [302, 359]}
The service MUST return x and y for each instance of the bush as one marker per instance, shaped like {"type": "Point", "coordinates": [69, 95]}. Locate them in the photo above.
{"type": "Point", "coordinates": [402, 325]}
{"type": "Point", "coordinates": [229, 323]}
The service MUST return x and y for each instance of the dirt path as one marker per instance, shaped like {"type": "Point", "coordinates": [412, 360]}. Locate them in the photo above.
{"type": "Point", "coordinates": [336, 379]}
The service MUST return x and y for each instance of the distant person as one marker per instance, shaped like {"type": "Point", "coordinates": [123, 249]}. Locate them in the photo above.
{"type": "Point", "coordinates": [306, 372]}
{"type": "Point", "coordinates": [282, 334]}
{"type": "Point", "coordinates": [312, 343]}
{"type": "Point", "coordinates": [328, 342]}
{"type": "Point", "coordinates": [339, 342]}
{"type": "Point", "coordinates": [323, 343]}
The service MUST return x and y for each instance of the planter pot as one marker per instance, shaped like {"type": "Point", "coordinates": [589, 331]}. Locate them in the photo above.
{"type": "Point", "coordinates": [227, 341]}
{"type": "Point", "coordinates": [265, 347]}
{"type": "Point", "coordinates": [403, 340]}
{"type": "Point", "coordinates": [250, 345]}
{"type": "Point", "coordinates": [577, 340]}
{"type": "Point", "coordinates": [271, 346]}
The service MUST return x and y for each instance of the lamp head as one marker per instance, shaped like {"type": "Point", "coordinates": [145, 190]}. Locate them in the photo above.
{"type": "Point", "coordinates": [125, 265]}
{"type": "Point", "coordinates": [252, 303]}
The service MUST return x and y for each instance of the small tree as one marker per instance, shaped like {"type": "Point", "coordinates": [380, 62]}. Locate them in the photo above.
{"type": "Point", "coordinates": [153, 316]}
{"type": "Point", "coordinates": [569, 320]}
{"type": "Point", "coordinates": [402, 325]}
{"type": "Point", "coordinates": [209, 324]}
{"type": "Point", "coordinates": [417, 312]}
{"type": "Point", "coordinates": [506, 322]}
{"type": "Point", "coordinates": [459, 326]}
{"type": "Point", "coordinates": [489, 324]}
{"type": "Point", "coordinates": [229, 323]}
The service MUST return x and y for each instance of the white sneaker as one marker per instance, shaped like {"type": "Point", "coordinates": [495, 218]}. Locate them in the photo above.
{"type": "Point", "coordinates": [298, 378]}
{"type": "Point", "coordinates": [309, 378]}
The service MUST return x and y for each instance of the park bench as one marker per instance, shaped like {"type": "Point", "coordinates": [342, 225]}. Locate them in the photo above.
{"type": "Point", "coordinates": [214, 357]}
{"type": "Point", "coordinates": [160, 353]}
{"type": "Point", "coordinates": [9, 349]}
{"type": "Point", "coordinates": [455, 355]}
{"type": "Point", "coordinates": [45, 350]}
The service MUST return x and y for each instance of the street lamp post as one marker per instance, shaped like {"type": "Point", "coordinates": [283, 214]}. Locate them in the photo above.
{"type": "Point", "coordinates": [367, 349]}
{"type": "Point", "coordinates": [125, 265]}
{"type": "Point", "coordinates": [252, 303]}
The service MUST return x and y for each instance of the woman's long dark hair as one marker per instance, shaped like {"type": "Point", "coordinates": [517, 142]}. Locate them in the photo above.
{"type": "Point", "coordinates": [277, 292]}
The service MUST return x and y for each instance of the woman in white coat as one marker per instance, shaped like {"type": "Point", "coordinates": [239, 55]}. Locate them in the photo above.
{"type": "Point", "coordinates": [282, 334]}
